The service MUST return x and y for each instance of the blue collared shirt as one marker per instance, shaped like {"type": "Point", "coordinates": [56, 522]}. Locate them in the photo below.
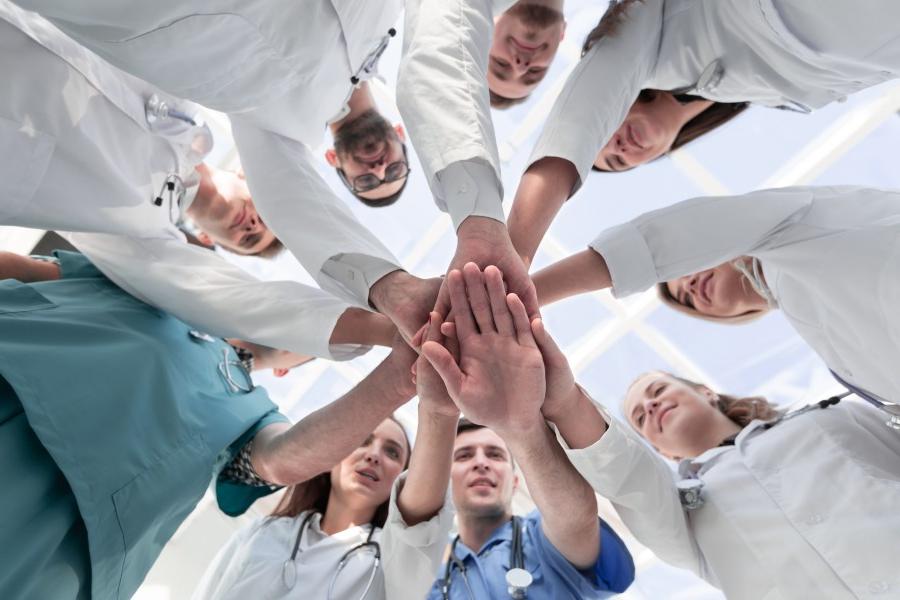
{"type": "Point", "coordinates": [555, 577]}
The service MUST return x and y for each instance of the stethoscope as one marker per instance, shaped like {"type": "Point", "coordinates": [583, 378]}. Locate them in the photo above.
{"type": "Point", "coordinates": [690, 487]}
{"type": "Point", "coordinates": [518, 579]}
{"type": "Point", "coordinates": [367, 70]}
{"type": "Point", "coordinates": [289, 568]}
{"type": "Point", "coordinates": [892, 409]}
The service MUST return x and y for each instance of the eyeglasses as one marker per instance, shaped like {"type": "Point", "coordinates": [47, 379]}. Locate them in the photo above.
{"type": "Point", "coordinates": [369, 181]}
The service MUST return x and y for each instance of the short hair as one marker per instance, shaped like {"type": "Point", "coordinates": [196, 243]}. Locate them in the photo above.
{"type": "Point", "coordinates": [379, 202]}
{"type": "Point", "coordinates": [269, 252]}
{"type": "Point", "coordinates": [464, 426]}
{"type": "Point", "coordinates": [502, 102]}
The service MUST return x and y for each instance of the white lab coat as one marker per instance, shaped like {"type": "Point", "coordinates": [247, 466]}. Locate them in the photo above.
{"type": "Point", "coordinates": [80, 156]}
{"type": "Point", "coordinates": [250, 565]}
{"type": "Point", "coordinates": [805, 509]}
{"type": "Point", "coordinates": [788, 53]}
{"type": "Point", "coordinates": [829, 255]}
{"type": "Point", "coordinates": [283, 69]}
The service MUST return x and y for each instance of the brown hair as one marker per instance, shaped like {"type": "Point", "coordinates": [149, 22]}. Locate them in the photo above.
{"type": "Point", "coordinates": [713, 117]}
{"type": "Point", "coordinates": [741, 410]}
{"type": "Point", "coordinates": [272, 250]}
{"type": "Point", "coordinates": [313, 493]}
{"type": "Point", "coordinates": [502, 102]}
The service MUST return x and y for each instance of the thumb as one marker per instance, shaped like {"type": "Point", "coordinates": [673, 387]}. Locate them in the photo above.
{"type": "Point", "coordinates": [546, 344]}
{"type": "Point", "coordinates": [446, 367]}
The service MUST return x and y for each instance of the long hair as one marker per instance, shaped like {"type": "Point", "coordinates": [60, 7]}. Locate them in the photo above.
{"type": "Point", "coordinates": [741, 410]}
{"type": "Point", "coordinates": [713, 117]}
{"type": "Point", "coordinates": [313, 493]}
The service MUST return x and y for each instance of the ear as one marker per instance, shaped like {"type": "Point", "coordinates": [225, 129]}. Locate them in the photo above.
{"type": "Point", "coordinates": [710, 395]}
{"type": "Point", "coordinates": [205, 239]}
{"type": "Point", "coordinates": [240, 173]}
{"type": "Point", "coordinates": [562, 34]}
{"type": "Point", "coordinates": [401, 133]}
{"type": "Point", "coordinates": [280, 372]}
{"type": "Point", "coordinates": [331, 158]}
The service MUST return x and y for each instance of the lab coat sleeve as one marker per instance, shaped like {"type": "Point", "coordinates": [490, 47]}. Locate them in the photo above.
{"type": "Point", "coordinates": [641, 487]}
{"type": "Point", "coordinates": [698, 234]}
{"type": "Point", "coordinates": [413, 555]}
{"type": "Point", "coordinates": [226, 568]}
{"type": "Point", "coordinates": [442, 94]}
{"type": "Point", "coordinates": [342, 255]}
{"type": "Point", "coordinates": [601, 89]}
{"type": "Point", "coordinates": [203, 289]}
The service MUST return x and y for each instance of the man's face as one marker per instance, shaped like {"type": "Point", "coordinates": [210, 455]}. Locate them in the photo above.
{"type": "Point", "coordinates": [525, 41]}
{"type": "Point", "coordinates": [228, 218]}
{"type": "Point", "coordinates": [368, 145]}
{"type": "Point", "coordinates": [482, 474]}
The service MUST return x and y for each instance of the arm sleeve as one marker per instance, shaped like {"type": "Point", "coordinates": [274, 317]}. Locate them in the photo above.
{"type": "Point", "coordinates": [412, 555]}
{"type": "Point", "coordinates": [613, 571]}
{"type": "Point", "coordinates": [339, 252]}
{"type": "Point", "coordinates": [641, 487]}
{"type": "Point", "coordinates": [697, 234]}
{"type": "Point", "coordinates": [203, 289]}
{"type": "Point", "coordinates": [442, 94]}
{"type": "Point", "coordinates": [225, 569]}
{"type": "Point", "coordinates": [601, 89]}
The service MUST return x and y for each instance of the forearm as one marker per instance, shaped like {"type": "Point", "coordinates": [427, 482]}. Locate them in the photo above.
{"type": "Point", "coordinates": [566, 502]}
{"type": "Point", "coordinates": [26, 269]}
{"type": "Point", "coordinates": [425, 489]}
{"type": "Point", "coordinates": [580, 425]}
{"type": "Point", "coordinates": [544, 188]}
{"type": "Point", "coordinates": [325, 437]}
{"type": "Point", "coordinates": [358, 326]}
{"type": "Point", "coordinates": [580, 273]}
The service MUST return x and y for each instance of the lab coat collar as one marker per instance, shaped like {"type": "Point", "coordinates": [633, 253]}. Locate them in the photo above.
{"type": "Point", "coordinates": [693, 467]}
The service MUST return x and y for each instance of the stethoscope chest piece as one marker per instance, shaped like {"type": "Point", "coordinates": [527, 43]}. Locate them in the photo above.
{"type": "Point", "coordinates": [689, 492]}
{"type": "Point", "coordinates": [517, 581]}
{"type": "Point", "coordinates": [289, 574]}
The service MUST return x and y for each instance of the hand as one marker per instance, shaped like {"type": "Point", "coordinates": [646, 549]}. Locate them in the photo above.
{"type": "Point", "coordinates": [498, 380]}
{"type": "Point", "coordinates": [432, 392]}
{"type": "Point", "coordinates": [280, 361]}
{"type": "Point", "coordinates": [400, 362]}
{"type": "Point", "coordinates": [562, 392]}
{"type": "Point", "coordinates": [485, 241]}
{"type": "Point", "coordinates": [405, 299]}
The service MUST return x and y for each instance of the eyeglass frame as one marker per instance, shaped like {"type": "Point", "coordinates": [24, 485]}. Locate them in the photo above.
{"type": "Point", "coordinates": [352, 185]}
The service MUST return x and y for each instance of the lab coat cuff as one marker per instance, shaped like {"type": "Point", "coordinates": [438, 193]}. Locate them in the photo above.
{"type": "Point", "coordinates": [357, 273]}
{"type": "Point", "coordinates": [628, 258]}
{"type": "Point", "coordinates": [321, 329]}
{"type": "Point", "coordinates": [421, 535]}
{"type": "Point", "coordinates": [471, 188]}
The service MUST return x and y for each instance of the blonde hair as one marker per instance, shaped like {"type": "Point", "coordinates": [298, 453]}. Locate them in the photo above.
{"type": "Point", "coordinates": [742, 410]}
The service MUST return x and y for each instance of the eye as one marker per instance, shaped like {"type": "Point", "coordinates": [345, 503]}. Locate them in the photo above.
{"type": "Point", "coordinates": [394, 453]}
{"type": "Point", "coordinates": [640, 420]}
{"type": "Point", "coordinates": [500, 62]}
{"type": "Point", "coordinates": [688, 300]}
{"type": "Point", "coordinates": [460, 456]}
{"type": "Point", "coordinates": [659, 390]}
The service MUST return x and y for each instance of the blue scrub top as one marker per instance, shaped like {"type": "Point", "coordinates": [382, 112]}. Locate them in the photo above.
{"type": "Point", "coordinates": [555, 577]}
{"type": "Point", "coordinates": [133, 409]}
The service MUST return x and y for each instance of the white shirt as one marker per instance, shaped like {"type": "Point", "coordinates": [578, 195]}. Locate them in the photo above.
{"type": "Point", "coordinates": [250, 565]}
{"type": "Point", "coordinates": [806, 509]}
{"type": "Point", "coordinates": [829, 255]}
{"type": "Point", "coordinates": [80, 156]}
{"type": "Point", "coordinates": [771, 52]}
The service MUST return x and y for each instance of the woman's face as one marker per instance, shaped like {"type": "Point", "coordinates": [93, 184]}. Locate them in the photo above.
{"type": "Point", "coordinates": [367, 474]}
{"type": "Point", "coordinates": [722, 291]}
{"type": "Point", "coordinates": [648, 131]}
{"type": "Point", "coordinates": [673, 416]}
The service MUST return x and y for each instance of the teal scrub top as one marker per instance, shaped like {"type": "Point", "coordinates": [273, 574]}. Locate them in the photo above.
{"type": "Point", "coordinates": [134, 409]}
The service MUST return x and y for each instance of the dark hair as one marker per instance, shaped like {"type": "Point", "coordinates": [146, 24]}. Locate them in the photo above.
{"type": "Point", "coordinates": [502, 102]}
{"type": "Point", "coordinates": [741, 410]}
{"type": "Point", "coordinates": [380, 202]}
{"type": "Point", "coordinates": [464, 426]}
{"type": "Point", "coordinates": [313, 493]}
{"type": "Point", "coordinates": [713, 117]}
{"type": "Point", "coordinates": [272, 250]}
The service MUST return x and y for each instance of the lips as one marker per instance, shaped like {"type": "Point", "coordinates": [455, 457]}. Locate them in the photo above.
{"type": "Point", "coordinates": [482, 481]}
{"type": "Point", "coordinates": [662, 413]}
{"type": "Point", "coordinates": [240, 217]}
{"type": "Point", "coordinates": [368, 474]}
{"type": "Point", "coordinates": [706, 288]}
{"type": "Point", "coordinates": [525, 47]}
{"type": "Point", "coordinates": [634, 137]}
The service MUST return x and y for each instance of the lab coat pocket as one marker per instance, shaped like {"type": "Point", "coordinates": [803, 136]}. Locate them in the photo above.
{"type": "Point", "coordinates": [150, 508]}
{"type": "Point", "coordinates": [18, 297]}
{"type": "Point", "coordinates": [26, 155]}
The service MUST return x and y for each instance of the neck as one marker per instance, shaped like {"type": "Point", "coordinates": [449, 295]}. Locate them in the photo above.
{"type": "Point", "coordinates": [340, 515]}
{"type": "Point", "coordinates": [206, 189]}
{"type": "Point", "coordinates": [360, 101]}
{"type": "Point", "coordinates": [719, 431]}
{"type": "Point", "coordinates": [688, 111]}
{"type": "Point", "coordinates": [474, 530]}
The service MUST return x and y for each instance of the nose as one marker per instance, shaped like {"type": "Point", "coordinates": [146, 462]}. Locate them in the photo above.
{"type": "Point", "coordinates": [693, 282]}
{"type": "Point", "coordinates": [372, 456]}
{"type": "Point", "coordinates": [481, 463]}
{"type": "Point", "coordinates": [651, 405]}
{"type": "Point", "coordinates": [253, 223]}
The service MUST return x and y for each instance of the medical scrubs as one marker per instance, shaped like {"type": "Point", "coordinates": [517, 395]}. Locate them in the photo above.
{"type": "Point", "coordinates": [114, 420]}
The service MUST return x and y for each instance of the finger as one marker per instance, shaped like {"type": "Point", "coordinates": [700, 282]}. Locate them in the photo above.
{"type": "Point", "coordinates": [520, 320]}
{"type": "Point", "coordinates": [546, 344]}
{"type": "Point", "coordinates": [417, 339]}
{"type": "Point", "coordinates": [433, 333]}
{"type": "Point", "coordinates": [478, 298]}
{"type": "Point", "coordinates": [440, 358]}
{"type": "Point", "coordinates": [527, 293]}
{"type": "Point", "coordinates": [497, 295]}
{"type": "Point", "coordinates": [449, 329]}
{"type": "Point", "coordinates": [462, 313]}
{"type": "Point", "coordinates": [442, 304]}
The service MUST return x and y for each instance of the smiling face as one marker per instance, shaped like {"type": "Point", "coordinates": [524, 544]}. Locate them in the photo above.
{"type": "Point", "coordinates": [648, 131]}
{"type": "Point", "coordinates": [525, 41]}
{"type": "Point", "coordinates": [224, 213]}
{"type": "Point", "coordinates": [482, 474]}
{"type": "Point", "coordinates": [678, 419]}
{"type": "Point", "coordinates": [365, 476]}
{"type": "Point", "coordinates": [722, 292]}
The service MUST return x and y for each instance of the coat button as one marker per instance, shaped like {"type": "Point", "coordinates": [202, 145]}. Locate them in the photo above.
{"type": "Point", "coordinates": [841, 99]}
{"type": "Point", "coordinates": [814, 519]}
{"type": "Point", "coordinates": [462, 189]}
{"type": "Point", "coordinates": [879, 587]}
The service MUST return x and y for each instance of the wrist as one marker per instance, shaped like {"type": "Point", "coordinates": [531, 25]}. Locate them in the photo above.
{"type": "Point", "coordinates": [522, 428]}
{"type": "Point", "coordinates": [437, 416]}
{"type": "Point", "coordinates": [378, 292]}
{"type": "Point", "coordinates": [564, 403]}
{"type": "Point", "coordinates": [480, 228]}
{"type": "Point", "coordinates": [394, 381]}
